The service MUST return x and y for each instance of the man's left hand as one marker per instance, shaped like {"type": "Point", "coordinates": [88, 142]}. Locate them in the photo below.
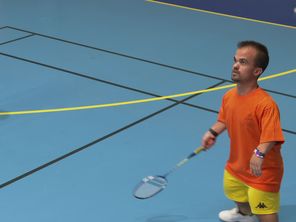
{"type": "Point", "coordinates": [256, 165]}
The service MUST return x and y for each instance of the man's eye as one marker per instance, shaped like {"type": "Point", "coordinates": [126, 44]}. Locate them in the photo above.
{"type": "Point", "coordinates": [243, 62]}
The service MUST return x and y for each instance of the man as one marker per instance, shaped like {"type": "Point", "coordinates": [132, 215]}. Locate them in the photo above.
{"type": "Point", "coordinates": [254, 170]}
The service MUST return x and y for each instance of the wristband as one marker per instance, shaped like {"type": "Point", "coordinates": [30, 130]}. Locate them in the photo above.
{"type": "Point", "coordinates": [258, 153]}
{"type": "Point", "coordinates": [213, 132]}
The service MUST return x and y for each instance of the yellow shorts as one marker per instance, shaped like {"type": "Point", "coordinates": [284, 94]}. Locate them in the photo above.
{"type": "Point", "coordinates": [261, 202]}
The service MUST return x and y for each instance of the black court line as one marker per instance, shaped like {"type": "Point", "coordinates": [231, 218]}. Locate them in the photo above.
{"type": "Point", "coordinates": [17, 39]}
{"type": "Point", "coordinates": [141, 59]}
{"type": "Point", "coordinates": [126, 87]}
{"type": "Point", "coordinates": [117, 53]}
{"type": "Point", "coordinates": [99, 80]}
{"type": "Point", "coordinates": [4, 27]}
{"type": "Point", "coordinates": [115, 84]}
{"type": "Point", "coordinates": [280, 93]}
{"type": "Point", "coordinates": [77, 150]}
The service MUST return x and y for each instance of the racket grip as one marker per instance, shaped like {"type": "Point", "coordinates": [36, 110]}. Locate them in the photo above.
{"type": "Point", "coordinates": [198, 149]}
{"type": "Point", "coordinates": [195, 152]}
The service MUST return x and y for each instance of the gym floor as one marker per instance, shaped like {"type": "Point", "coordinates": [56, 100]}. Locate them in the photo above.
{"type": "Point", "coordinates": [83, 165]}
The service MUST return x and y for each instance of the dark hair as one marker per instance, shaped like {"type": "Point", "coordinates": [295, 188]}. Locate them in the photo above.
{"type": "Point", "coordinates": [262, 57]}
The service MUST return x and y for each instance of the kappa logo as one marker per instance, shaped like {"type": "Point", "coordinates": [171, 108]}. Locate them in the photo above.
{"type": "Point", "coordinates": [261, 205]}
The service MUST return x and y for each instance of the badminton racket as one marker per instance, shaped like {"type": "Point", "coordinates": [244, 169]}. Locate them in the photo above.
{"type": "Point", "coordinates": [152, 185]}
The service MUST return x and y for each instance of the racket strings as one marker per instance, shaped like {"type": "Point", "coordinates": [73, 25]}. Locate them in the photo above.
{"type": "Point", "coordinates": [150, 186]}
{"type": "Point", "coordinates": [157, 181]}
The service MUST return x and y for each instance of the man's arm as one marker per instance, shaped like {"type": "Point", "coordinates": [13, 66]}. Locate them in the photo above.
{"type": "Point", "coordinates": [209, 137]}
{"type": "Point", "coordinates": [258, 157]}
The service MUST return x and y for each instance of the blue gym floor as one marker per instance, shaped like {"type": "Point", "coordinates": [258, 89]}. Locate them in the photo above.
{"type": "Point", "coordinates": [83, 165]}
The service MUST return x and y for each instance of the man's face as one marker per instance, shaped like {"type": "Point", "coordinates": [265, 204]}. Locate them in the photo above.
{"type": "Point", "coordinates": [244, 68]}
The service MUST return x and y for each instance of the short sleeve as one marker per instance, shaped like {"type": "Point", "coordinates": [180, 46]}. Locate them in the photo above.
{"type": "Point", "coordinates": [221, 115]}
{"type": "Point", "coordinates": [270, 124]}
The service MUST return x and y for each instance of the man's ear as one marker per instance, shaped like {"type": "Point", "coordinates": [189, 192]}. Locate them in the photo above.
{"type": "Point", "coordinates": [258, 71]}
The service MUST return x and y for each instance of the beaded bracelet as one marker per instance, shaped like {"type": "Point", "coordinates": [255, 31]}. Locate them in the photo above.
{"type": "Point", "coordinates": [258, 153]}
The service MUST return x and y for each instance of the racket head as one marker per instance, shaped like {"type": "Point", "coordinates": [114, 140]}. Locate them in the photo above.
{"type": "Point", "coordinates": [150, 186]}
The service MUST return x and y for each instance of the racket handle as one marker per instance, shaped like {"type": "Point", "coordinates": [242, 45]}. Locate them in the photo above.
{"type": "Point", "coordinates": [195, 152]}
{"type": "Point", "coordinates": [198, 149]}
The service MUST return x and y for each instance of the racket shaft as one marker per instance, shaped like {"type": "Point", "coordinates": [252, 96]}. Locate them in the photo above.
{"type": "Point", "coordinates": [182, 162]}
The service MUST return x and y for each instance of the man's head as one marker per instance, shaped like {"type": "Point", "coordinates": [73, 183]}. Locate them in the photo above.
{"type": "Point", "coordinates": [250, 60]}
{"type": "Point", "coordinates": [262, 57]}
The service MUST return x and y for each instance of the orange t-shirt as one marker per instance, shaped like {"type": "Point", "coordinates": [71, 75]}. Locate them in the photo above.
{"type": "Point", "coordinates": [250, 120]}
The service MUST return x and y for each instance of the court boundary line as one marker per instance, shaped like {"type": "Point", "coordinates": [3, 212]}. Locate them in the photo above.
{"type": "Point", "coordinates": [139, 59]}
{"type": "Point", "coordinates": [131, 57]}
{"type": "Point", "coordinates": [3, 27]}
{"type": "Point", "coordinates": [88, 145]}
{"type": "Point", "coordinates": [25, 112]}
{"type": "Point", "coordinates": [17, 39]}
{"type": "Point", "coordinates": [118, 54]}
{"type": "Point", "coordinates": [222, 14]}
{"type": "Point", "coordinates": [103, 81]}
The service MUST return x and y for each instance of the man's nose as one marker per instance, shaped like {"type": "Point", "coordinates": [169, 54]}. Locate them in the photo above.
{"type": "Point", "coordinates": [235, 65]}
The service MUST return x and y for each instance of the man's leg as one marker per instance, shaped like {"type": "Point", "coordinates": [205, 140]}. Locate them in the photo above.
{"type": "Point", "coordinates": [265, 205]}
{"type": "Point", "coordinates": [268, 218]}
{"type": "Point", "coordinates": [244, 208]}
{"type": "Point", "coordinates": [236, 191]}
